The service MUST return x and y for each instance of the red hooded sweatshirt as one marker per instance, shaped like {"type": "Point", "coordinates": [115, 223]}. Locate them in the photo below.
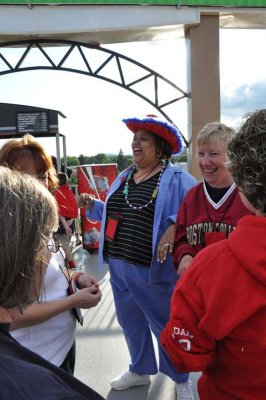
{"type": "Point", "coordinates": [218, 316]}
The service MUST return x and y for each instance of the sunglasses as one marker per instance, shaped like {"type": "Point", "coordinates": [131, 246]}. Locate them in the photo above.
{"type": "Point", "coordinates": [53, 245]}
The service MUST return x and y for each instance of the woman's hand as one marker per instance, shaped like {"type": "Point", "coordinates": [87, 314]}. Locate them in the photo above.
{"type": "Point", "coordinates": [85, 200]}
{"type": "Point", "coordinates": [86, 281]}
{"type": "Point", "coordinates": [166, 243]}
{"type": "Point", "coordinates": [87, 297]}
{"type": "Point", "coordinates": [185, 262]}
{"type": "Point", "coordinates": [36, 313]}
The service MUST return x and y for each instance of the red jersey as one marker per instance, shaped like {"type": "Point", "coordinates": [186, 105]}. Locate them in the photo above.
{"type": "Point", "coordinates": [198, 215]}
{"type": "Point", "coordinates": [218, 316]}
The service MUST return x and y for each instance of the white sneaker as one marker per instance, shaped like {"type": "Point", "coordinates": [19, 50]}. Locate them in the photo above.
{"type": "Point", "coordinates": [128, 379]}
{"type": "Point", "coordinates": [184, 391]}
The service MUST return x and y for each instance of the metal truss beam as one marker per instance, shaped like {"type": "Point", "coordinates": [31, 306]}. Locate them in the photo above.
{"type": "Point", "coordinates": [118, 64]}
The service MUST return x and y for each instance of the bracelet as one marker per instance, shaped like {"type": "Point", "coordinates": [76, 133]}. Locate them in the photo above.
{"type": "Point", "coordinates": [71, 275]}
{"type": "Point", "coordinates": [76, 277]}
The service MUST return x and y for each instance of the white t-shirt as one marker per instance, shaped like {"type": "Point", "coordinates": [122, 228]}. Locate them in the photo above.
{"type": "Point", "coordinates": [53, 338]}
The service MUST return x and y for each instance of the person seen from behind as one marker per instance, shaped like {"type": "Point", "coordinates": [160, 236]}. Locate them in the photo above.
{"type": "Point", "coordinates": [28, 216]}
{"type": "Point", "coordinates": [210, 210]}
{"type": "Point", "coordinates": [68, 210]}
{"type": "Point", "coordinates": [218, 310]}
{"type": "Point", "coordinates": [138, 217]}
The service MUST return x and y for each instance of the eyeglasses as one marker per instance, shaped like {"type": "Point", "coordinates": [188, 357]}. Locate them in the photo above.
{"type": "Point", "coordinates": [53, 245]}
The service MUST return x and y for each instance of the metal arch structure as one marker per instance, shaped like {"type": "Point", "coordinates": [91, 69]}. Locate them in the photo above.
{"type": "Point", "coordinates": [112, 57]}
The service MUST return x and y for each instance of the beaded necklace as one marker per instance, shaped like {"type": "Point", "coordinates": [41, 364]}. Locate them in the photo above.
{"type": "Point", "coordinates": [145, 173]}
{"type": "Point", "coordinates": [154, 193]}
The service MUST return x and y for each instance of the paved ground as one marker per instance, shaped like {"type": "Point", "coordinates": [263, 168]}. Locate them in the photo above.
{"type": "Point", "coordinates": [101, 349]}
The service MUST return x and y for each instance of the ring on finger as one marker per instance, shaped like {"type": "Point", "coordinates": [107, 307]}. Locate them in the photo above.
{"type": "Point", "coordinates": [166, 245]}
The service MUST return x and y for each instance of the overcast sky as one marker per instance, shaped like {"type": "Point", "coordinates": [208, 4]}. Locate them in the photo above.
{"type": "Point", "coordinates": [95, 108]}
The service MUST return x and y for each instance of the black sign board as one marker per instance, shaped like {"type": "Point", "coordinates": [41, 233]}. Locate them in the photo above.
{"type": "Point", "coordinates": [32, 122]}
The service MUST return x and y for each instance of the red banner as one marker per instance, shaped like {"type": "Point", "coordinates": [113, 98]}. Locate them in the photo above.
{"type": "Point", "coordinates": [94, 179]}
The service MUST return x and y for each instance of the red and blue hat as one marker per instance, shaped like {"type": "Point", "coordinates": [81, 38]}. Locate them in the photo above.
{"type": "Point", "coordinates": [169, 132]}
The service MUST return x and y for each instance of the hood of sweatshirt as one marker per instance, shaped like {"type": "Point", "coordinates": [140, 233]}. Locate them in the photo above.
{"type": "Point", "coordinates": [248, 244]}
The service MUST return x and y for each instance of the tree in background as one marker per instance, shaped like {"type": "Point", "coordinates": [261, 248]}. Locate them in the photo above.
{"type": "Point", "coordinates": [100, 158]}
{"type": "Point", "coordinates": [121, 162]}
{"type": "Point", "coordinates": [81, 159]}
{"type": "Point", "coordinates": [71, 160]}
{"type": "Point", "coordinates": [128, 160]}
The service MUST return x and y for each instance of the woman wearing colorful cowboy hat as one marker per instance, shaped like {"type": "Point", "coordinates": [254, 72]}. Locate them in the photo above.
{"type": "Point", "coordinates": [138, 218]}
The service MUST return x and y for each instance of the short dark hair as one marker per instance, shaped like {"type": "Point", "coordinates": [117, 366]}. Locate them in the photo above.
{"type": "Point", "coordinates": [162, 146]}
{"type": "Point", "coordinates": [247, 155]}
{"type": "Point", "coordinates": [62, 178]}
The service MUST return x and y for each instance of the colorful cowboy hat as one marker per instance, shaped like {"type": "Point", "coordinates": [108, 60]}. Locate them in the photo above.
{"type": "Point", "coordinates": [170, 133]}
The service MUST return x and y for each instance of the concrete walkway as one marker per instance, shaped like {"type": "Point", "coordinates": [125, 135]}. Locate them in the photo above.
{"type": "Point", "coordinates": [101, 348]}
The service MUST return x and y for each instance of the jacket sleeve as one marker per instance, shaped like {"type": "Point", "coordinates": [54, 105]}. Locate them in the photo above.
{"type": "Point", "coordinates": [97, 212]}
{"type": "Point", "coordinates": [189, 347]}
{"type": "Point", "coordinates": [184, 181]}
{"type": "Point", "coordinates": [181, 245]}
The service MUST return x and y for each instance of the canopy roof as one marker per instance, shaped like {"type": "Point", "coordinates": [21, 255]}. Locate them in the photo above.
{"type": "Point", "coordinates": [100, 24]}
